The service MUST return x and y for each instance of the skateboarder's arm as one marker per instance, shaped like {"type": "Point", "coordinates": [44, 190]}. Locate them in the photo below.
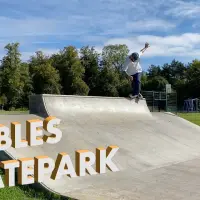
{"type": "Point", "coordinates": [144, 49]}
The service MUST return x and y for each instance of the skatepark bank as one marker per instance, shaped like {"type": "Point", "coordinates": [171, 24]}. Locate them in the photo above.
{"type": "Point", "coordinates": [158, 156]}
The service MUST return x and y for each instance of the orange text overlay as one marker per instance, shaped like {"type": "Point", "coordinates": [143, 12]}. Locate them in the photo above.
{"type": "Point", "coordinates": [31, 170]}
{"type": "Point", "coordinates": [34, 133]}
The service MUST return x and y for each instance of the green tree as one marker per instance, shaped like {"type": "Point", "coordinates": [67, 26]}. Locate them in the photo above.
{"type": "Point", "coordinates": [144, 80]}
{"type": "Point", "coordinates": [26, 83]}
{"type": "Point", "coordinates": [157, 83]}
{"type": "Point", "coordinates": [71, 71]}
{"type": "Point", "coordinates": [45, 77]}
{"type": "Point", "coordinates": [154, 71]}
{"type": "Point", "coordinates": [193, 79]}
{"type": "Point", "coordinates": [3, 101]}
{"type": "Point", "coordinates": [108, 82]}
{"type": "Point", "coordinates": [114, 82]}
{"type": "Point", "coordinates": [89, 59]}
{"type": "Point", "coordinates": [182, 89]}
{"type": "Point", "coordinates": [114, 56]}
{"type": "Point", "coordinates": [123, 87]}
{"type": "Point", "coordinates": [12, 76]}
{"type": "Point", "coordinates": [174, 71]}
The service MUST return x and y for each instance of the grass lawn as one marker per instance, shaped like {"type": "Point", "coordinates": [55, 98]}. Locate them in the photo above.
{"type": "Point", "coordinates": [192, 117]}
{"type": "Point", "coordinates": [17, 112]}
{"type": "Point", "coordinates": [26, 192]}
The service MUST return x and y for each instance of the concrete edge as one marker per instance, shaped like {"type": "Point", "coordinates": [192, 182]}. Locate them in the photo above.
{"type": "Point", "coordinates": [185, 120]}
{"type": "Point", "coordinates": [169, 113]}
{"type": "Point", "coordinates": [80, 96]}
{"type": "Point", "coordinates": [182, 119]}
{"type": "Point", "coordinates": [37, 106]}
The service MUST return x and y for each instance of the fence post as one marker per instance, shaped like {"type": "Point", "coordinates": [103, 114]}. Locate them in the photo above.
{"type": "Point", "coordinates": [153, 101]}
{"type": "Point", "coordinates": [166, 101]}
{"type": "Point", "coordinates": [176, 104]}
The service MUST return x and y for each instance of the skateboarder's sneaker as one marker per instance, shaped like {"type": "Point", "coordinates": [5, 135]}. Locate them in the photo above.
{"type": "Point", "coordinates": [133, 96]}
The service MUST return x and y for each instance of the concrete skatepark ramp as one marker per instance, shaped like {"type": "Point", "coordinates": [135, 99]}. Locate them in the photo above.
{"type": "Point", "coordinates": [62, 105]}
{"type": "Point", "coordinates": [158, 154]}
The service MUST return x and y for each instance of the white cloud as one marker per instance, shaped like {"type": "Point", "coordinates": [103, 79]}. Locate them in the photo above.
{"type": "Point", "coordinates": [186, 39]}
{"type": "Point", "coordinates": [184, 8]}
{"type": "Point", "coordinates": [185, 45]}
{"type": "Point", "coordinates": [175, 45]}
{"type": "Point", "coordinates": [170, 46]}
{"type": "Point", "coordinates": [148, 25]}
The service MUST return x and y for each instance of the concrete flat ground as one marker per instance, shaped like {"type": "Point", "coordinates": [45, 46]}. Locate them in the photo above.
{"type": "Point", "coordinates": [158, 157]}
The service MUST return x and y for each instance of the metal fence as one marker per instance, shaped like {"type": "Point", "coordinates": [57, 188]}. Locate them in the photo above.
{"type": "Point", "coordinates": [161, 101]}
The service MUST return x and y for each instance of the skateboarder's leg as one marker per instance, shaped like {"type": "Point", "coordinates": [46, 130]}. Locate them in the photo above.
{"type": "Point", "coordinates": [139, 82]}
{"type": "Point", "coordinates": [133, 85]}
{"type": "Point", "coordinates": [135, 90]}
{"type": "Point", "coordinates": [136, 80]}
{"type": "Point", "coordinates": [136, 85]}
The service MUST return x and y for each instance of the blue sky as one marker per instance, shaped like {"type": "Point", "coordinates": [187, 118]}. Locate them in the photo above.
{"type": "Point", "coordinates": [170, 26]}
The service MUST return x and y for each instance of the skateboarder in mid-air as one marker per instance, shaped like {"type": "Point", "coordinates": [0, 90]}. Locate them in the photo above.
{"type": "Point", "coordinates": [134, 71]}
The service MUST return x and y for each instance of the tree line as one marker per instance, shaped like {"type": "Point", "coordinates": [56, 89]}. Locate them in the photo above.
{"type": "Point", "coordinates": [87, 72]}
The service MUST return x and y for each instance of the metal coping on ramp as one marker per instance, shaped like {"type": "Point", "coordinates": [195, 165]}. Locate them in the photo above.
{"type": "Point", "coordinates": [47, 104]}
